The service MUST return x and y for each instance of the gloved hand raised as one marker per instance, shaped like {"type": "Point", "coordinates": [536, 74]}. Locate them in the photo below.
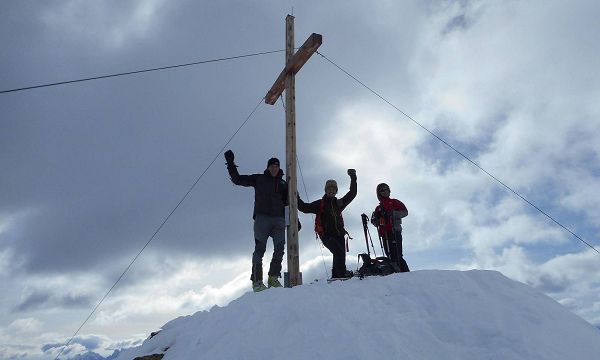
{"type": "Point", "coordinates": [352, 173]}
{"type": "Point", "coordinates": [229, 157]}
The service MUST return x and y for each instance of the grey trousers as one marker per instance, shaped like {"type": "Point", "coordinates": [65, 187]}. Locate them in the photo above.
{"type": "Point", "coordinates": [265, 227]}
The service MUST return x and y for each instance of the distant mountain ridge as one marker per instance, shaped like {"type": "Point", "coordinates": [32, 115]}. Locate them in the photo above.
{"type": "Point", "coordinates": [90, 355]}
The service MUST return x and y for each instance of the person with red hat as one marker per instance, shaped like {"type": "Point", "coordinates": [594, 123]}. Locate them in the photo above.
{"type": "Point", "coordinates": [387, 218]}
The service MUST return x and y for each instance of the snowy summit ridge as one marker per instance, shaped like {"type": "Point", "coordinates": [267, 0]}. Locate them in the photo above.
{"type": "Point", "coordinates": [426, 314]}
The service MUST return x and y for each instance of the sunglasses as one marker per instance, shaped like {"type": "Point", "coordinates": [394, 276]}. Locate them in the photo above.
{"type": "Point", "coordinates": [384, 190]}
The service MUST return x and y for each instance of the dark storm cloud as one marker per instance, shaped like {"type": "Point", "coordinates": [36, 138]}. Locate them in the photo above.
{"type": "Point", "coordinates": [42, 299]}
{"type": "Point", "coordinates": [33, 301]}
{"type": "Point", "coordinates": [554, 285]}
{"type": "Point", "coordinates": [95, 167]}
{"type": "Point", "coordinates": [456, 23]}
{"type": "Point", "coordinates": [90, 342]}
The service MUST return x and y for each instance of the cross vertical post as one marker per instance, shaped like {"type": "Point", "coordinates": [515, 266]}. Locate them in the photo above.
{"type": "Point", "coordinates": [290, 154]}
{"type": "Point", "coordinates": [286, 81]}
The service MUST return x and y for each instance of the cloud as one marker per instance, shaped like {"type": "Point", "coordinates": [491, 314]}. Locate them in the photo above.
{"type": "Point", "coordinates": [10, 261]}
{"type": "Point", "coordinates": [572, 268]}
{"type": "Point", "coordinates": [178, 285]}
{"type": "Point", "coordinates": [24, 326]}
{"type": "Point", "coordinates": [47, 300]}
{"type": "Point", "coordinates": [127, 343]}
{"type": "Point", "coordinates": [111, 23]}
{"type": "Point", "coordinates": [45, 292]}
{"type": "Point", "coordinates": [33, 301]}
{"type": "Point", "coordinates": [38, 345]}
{"type": "Point", "coordinates": [5, 257]}
{"type": "Point", "coordinates": [493, 99]}
{"type": "Point", "coordinates": [95, 168]}
{"type": "Point", "coordinates": [478, 95]}
{"type": "Point", "coordinates": [55, 349]}
{"type": "Point", "coordinates": [89, 342]}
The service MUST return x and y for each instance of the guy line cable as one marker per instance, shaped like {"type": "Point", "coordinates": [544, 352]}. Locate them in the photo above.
{"type": "Point", "coordinates": [160, 227]}
{"type": "Point", "coordinates": [460, 153]}
{"type": "Point", "coordinates": [137, 71]}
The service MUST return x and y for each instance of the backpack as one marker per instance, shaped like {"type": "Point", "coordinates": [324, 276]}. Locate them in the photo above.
{"type": "Point", "coordinates": [379, 266]}
{"type": "Point", "coordinates": [319, 229]}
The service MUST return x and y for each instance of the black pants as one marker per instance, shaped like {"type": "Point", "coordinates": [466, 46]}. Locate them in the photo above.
{"type": "Point", "coordinates": [336, 244]}
{"type": "Point", "coordinates": [393, 249]}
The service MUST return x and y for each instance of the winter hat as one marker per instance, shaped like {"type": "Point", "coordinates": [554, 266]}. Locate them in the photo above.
{"type": "Point", "coordinates": [331, 183]}
{"type": "Point", "coordinates": [380, 187]}
{"type": "Point", "coordinates": [273, 161]}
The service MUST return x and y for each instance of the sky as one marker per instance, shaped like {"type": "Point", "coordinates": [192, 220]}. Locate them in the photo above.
{"type": "Point", "coordinates": [90, 170]}
{"type": "Point", "coordinates": [425, 314]}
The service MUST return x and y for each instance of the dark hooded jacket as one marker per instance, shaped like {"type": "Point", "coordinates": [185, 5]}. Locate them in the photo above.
{"type": "Point", "coordinates": [270, 193]}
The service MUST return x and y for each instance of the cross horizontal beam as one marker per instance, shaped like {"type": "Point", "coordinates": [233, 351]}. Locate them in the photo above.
{"type": "Point", "coordinates": [300, 58]}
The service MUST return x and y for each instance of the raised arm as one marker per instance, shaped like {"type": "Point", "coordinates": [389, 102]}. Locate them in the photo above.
{"type": "Point", "coordinates": [308, 208]}
{"type": "Point", "coordinates": [352, 193]}
{"type": "Point", "coordinates": [236, 178]}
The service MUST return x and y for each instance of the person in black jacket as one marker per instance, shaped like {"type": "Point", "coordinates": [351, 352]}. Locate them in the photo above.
{"type": "Point", "coordinates": [329, 223]}
{"type": "Point", "coordinates": [270, 199]}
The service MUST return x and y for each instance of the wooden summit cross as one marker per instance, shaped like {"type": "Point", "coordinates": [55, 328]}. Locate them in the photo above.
{"type": "Point", "coordinates": [286, 80]}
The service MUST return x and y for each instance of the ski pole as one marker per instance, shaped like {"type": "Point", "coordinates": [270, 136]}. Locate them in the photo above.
{"type": "Point", "coordinates": [365, 229]}
{"type": "Point", "coordinates": [384, 245]}
{"type": "Point", "coordinates": [371, 239]}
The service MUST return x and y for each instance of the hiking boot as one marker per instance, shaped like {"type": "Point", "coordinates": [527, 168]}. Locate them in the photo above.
{"type": "Point", "coordinates": [273, 282]}
{"type": "Point", "coordinates": [348, 274]}
{"type": "Point", "coordinates": [258, 286]}
{"type": "Point", "coordinates": [396, 267]}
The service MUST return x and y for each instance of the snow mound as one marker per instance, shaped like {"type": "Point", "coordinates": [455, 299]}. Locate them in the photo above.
{"type": "Point", "coordinates": [419, 315]}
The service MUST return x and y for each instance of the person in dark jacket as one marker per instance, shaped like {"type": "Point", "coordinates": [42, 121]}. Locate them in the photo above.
{"type": "Point", "coordinates": [270, 199]}
{"type": "Point", "coordinates": [329, 223]}
{"type": "Point", "coordinates": [387, 218]}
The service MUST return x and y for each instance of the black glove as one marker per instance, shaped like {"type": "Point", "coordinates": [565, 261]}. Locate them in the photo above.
{"type": "Point", "coordinates": [375, 219]}
{"type": "Point", "coordinates": [229, 157]}
{"type": "Point", "coordinates": [352, 173]}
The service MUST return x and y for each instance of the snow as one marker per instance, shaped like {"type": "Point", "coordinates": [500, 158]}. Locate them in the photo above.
{"type": "Point", "coordinates": [426, 314]}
